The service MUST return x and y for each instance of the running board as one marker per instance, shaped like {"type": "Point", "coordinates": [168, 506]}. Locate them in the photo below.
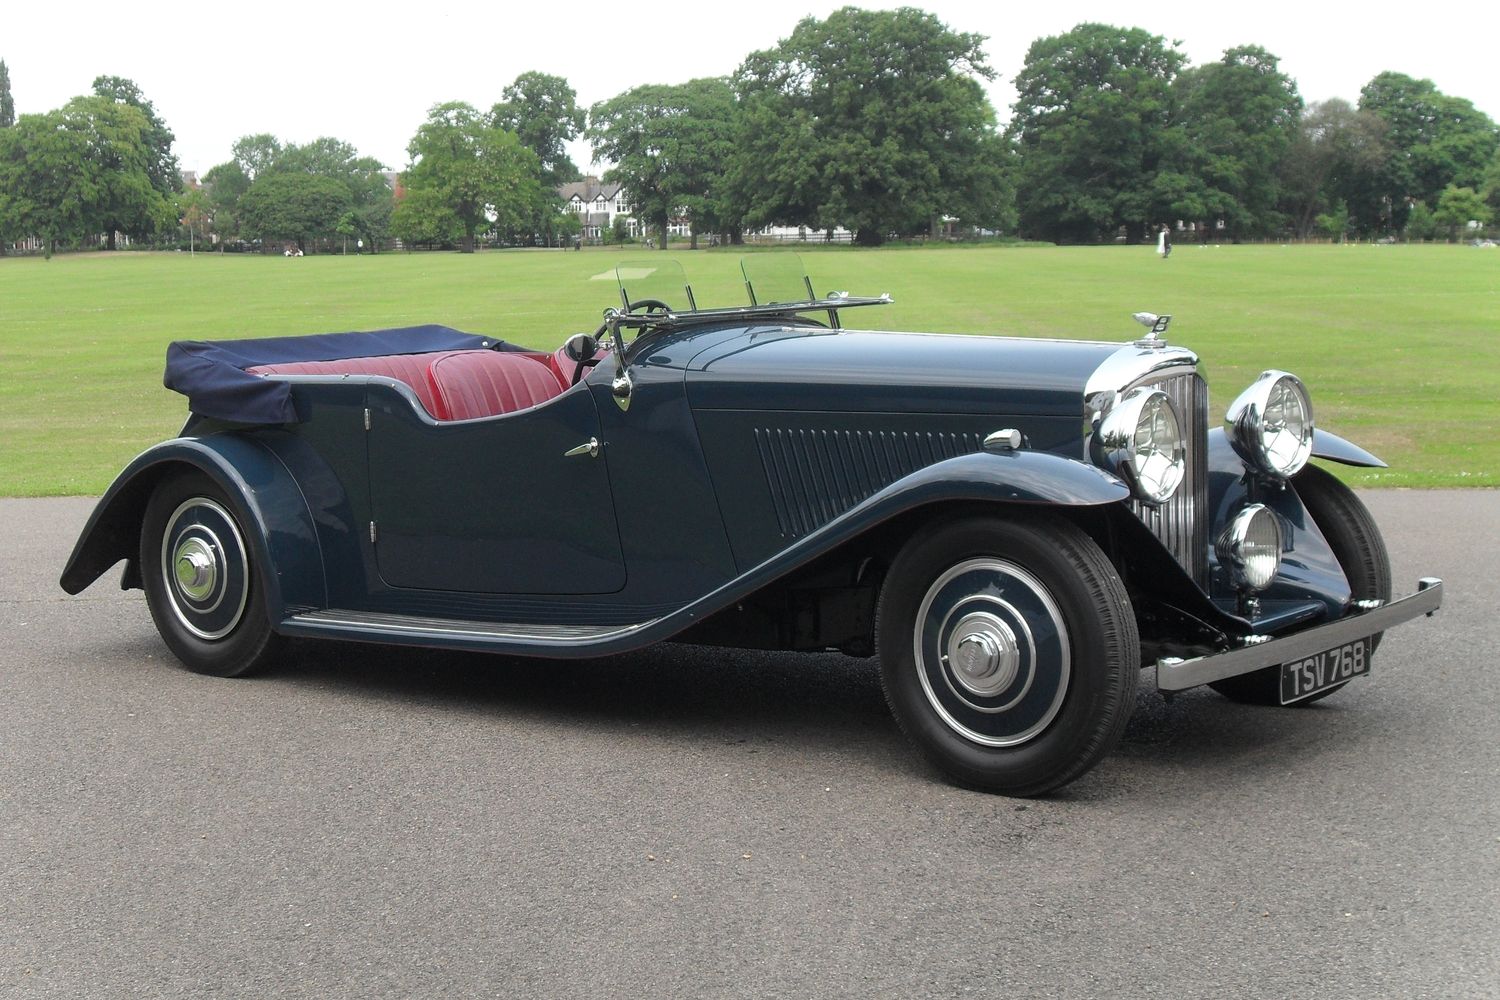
{"type": "Point", "coordinates": [544, 640]}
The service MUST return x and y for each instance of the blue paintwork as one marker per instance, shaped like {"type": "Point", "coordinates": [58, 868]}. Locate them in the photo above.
{"type": "Point", "coordinates": [851, 371]}
{"type": "Point", "coordinates": [280, 529]}
{"type": "Point", "coordinates": [745, 453]}
{"type": "Point", "coordinates": [492, 506]}
{"type": "Point", "coordinates": [1032, 478]}
{"type": "Point", "coordinates": [1309, 572]}
{"type": "Point", "coordinates": [1333, 448]}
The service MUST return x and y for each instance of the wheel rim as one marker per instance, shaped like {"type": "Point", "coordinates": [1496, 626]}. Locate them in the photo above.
{"type": "Point", "coordinates": [992, 653]}
{"type": "Point", "coordinates": [204, 568]}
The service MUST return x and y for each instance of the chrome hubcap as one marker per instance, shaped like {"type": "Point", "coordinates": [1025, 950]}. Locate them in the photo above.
{"type": "Point", "coordinates": [992, 652]}
{"type": "Point", "coordinates": [205, 568]}
{"type": "Point", "coordinates": [982, 651]}
{"type": "Point", "coordinates": [197, 570]}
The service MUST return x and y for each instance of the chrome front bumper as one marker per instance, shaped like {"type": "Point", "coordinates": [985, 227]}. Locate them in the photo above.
{"type": "Point", "coordinates": [1173, 674]}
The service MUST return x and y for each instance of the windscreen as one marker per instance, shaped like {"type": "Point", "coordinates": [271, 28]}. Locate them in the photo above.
{"type": "Point", "coordinates": [644, 281]}
{"type": "Point", "coordinates": [774, 278]}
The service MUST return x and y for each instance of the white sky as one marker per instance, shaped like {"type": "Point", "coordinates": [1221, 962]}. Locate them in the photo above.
{"type": "Point", "coordinates": [367, 72]}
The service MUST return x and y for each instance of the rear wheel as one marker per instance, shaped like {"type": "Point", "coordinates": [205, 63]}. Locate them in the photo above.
{"type": "Point", "coordinates": [1008, 651]}
{"type": "Point", "coordinates": [1355, 540]}
{"type": "Point", "coordinates": [201, 580]}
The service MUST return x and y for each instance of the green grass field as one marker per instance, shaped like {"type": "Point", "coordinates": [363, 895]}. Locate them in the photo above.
{"type": "Point", "coordinates": [1399, 345]}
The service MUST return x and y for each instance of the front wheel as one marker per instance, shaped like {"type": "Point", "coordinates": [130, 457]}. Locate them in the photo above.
{"type": "Point", "coordinates": [201, 580]}
{"type": "Point", "coordinates": [1008, 651]}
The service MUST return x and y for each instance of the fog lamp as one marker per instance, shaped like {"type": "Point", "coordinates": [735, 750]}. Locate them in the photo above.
{"type": "Point", "coordinates": [1250, 548]}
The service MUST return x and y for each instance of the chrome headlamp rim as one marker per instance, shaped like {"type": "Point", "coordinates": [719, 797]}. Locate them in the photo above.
{"type": "Point", "coordinates": [1154, 472]}
{"type": "Point", "coordinates": [1250, 548]}
{"type": "Point", "coordinates": [1272, 444]}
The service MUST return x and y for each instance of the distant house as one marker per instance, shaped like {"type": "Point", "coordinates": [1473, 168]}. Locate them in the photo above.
{"type": "Point", "coordinates": [596, 204]}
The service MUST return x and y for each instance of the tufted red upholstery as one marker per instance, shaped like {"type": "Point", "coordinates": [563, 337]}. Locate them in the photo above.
{"type": "Point", "coordinates": [471, 384]}
{"type": "Point", "coordinates": [409, 368]}
{"type": "Point", "coordinates": [451, 385]}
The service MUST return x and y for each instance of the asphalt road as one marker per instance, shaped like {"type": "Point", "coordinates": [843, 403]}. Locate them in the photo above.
{"type": "Point", "coordinates": [690, 823]}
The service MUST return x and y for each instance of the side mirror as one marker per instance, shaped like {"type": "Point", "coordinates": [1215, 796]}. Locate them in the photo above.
{"type": "Point", "coordinates": [581, 347]}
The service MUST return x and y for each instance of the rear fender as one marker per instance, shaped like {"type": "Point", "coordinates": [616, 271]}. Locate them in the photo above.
{"type": "Point", "coordinates": [280, 529]}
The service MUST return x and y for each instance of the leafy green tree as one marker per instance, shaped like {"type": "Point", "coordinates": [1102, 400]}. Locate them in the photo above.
{"type": "Point", "coordinates": [161, 165]}
{"type": "Point", "coordinates": [195, 213]}
{"type": "Point", "coordinates": [128, 195]}
{"type": "Point", "coordinates": [631, 131]}
{"type": "Point", "coordinates": [871, 120]}
{"type": "Point", "coordinates": [1334, 224]}
{"type": "Point", "coordinates": [1490, 186]}
{"type": "Point", "coordinates": [668, 145]}
{"type": "Point", "coordinates": [225, 185]}
{"type": "Point", "coordinates": [81, 171]}
{"type": "Point", "coordinates": [256, 153]}
{"type": "Point", "coordinates": [293, 206]}
{"type": "Point", "coordinates": [465, 176]}
{"type": "Point", "coordinates": [7, 103]}
{"type": "Point", "coordinates": [543, 112]}
{"type": "Point", "coordinates": [1434, 141]}
{"type": "Point", "coordinates": [1419, 223]}
{"type": "Point", "coordinates": [259, 157]}
{"type": "Point", "coordinates": [569, 227]}
{"type": "Point", "coordinates": [1457, 207]}
{"type": "Point", "coordinates": [45, 183]}
{"type": "Point", "coordinates": [1331, 158]}
{"type": "Point", "coordinates": [1094, 125]}
{"type": "Point", "coordinates": [363, 176]}
{"type": "Point", "coordinates": [1239, 117]}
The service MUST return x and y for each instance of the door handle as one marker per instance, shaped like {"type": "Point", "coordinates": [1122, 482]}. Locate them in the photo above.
{"type": "Point", "coordinates": [590, 448]}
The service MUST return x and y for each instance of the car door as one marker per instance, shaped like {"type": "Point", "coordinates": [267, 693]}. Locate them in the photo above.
{"type": "Point", "coordinates": [514, 504]}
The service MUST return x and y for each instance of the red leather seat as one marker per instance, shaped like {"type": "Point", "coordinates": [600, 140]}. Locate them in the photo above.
{"type": "Point", "coordinates": [471, 384]}
{"type": "Point", "coordinates": [409, 368]}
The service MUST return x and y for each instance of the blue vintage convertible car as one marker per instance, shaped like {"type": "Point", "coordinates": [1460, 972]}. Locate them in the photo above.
{"type": "Point", "coordinates": [1014, 527]}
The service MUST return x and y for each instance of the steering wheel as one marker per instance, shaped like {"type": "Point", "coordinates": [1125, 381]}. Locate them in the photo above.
{"type": "Point", "coordinates": [650, 305]}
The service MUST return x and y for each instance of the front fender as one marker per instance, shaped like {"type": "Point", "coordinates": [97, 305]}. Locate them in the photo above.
{"type": "Point", "coordinates": [1033, 478]}
{"type": "Point", "coordinates": [1336, 449]}
{"type": "Point", "coordinates": [280, 528]}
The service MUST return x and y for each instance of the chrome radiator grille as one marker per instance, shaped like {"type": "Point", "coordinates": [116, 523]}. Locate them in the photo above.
{"type": "Point", "coordinates": [1182, 522]}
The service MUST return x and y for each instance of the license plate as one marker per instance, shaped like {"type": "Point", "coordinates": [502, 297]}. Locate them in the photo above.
{"type": "Point", "coordinates": [1311, 674]}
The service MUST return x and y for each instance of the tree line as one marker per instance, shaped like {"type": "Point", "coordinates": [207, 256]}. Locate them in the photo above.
{"type": "Point", "coordinates": [874, 122]}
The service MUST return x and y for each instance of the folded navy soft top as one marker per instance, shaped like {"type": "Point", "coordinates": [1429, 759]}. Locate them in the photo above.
{"type": "Point", "coordinates": [211, 373]}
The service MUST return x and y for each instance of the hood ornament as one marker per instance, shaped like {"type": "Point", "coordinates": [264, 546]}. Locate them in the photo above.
{"type": "Point", "coordinates": [1158, 327]}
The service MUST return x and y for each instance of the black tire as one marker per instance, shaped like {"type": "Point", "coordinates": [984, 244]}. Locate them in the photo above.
{"type": "Point", "coordinates": [1356, 543]}
{"type": "Point", "coordinates": [201, 581]}
{"type": "Point", "coordinates": [1042, 655]}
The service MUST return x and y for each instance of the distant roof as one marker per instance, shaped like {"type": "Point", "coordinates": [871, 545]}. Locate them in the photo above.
{"type": "Point", "coordinates": [588, 189]}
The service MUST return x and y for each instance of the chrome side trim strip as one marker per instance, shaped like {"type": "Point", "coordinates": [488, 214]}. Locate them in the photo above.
{"type": "Point", "coordinates": [1173, 674]}
{"type": "Point", "coordinates": [414, 627]}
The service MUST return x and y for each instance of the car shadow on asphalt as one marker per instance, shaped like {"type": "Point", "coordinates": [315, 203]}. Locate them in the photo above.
{"type": "Point", "coordinates": [669, 685]}
{"type": "Point", "coordinates": [807, 700]}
